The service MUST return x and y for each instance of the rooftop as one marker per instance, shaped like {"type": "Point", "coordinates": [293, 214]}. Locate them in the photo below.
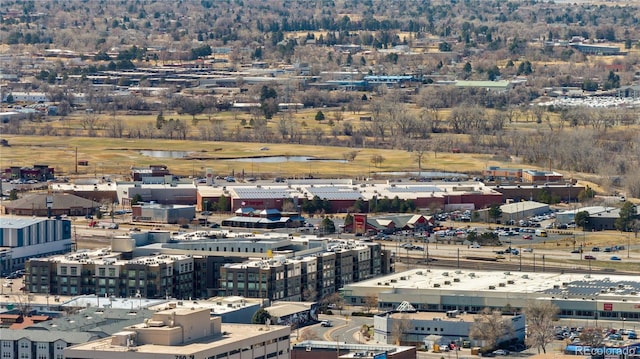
{"type": "Point", "coordinates": [546, 284]}
{"type": "Point", "coordinates": [18, 222]}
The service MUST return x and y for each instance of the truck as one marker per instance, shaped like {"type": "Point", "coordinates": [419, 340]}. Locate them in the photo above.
{"type": "Point", "coordinates": [108, 225]}
{"type": "Point", "coordinates": [541, 233]}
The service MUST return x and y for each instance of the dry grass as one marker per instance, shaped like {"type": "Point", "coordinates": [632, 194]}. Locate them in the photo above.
{"type": "Point", "coordinates": [116, 156]}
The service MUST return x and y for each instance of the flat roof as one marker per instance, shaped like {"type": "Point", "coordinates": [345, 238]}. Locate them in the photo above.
{"type": "Point", "coordinates": [234, 333]}
{"type": "Point", "coordinates": [18, 222]}
{"type": "Point", "coordinates": [216, 305]}
{"type": "Point", "coordinates": [572, 285]}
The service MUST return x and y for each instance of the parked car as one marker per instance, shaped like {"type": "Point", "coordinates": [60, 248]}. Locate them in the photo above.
{"type": "Point", "coordinates": [326, 323]}
{"type": "Point", "coordinates": [526, 236]}
{"type": "Point", "coordinates": [590, 257]}
{"type": "Point", "coordinates": [595, 249]}
{"type": "Point", "coordinates": [615, 258]}
{"type": "Point", "coordinates": [632, 335]}
{"type": "Point", "coordinates": [502, 352]}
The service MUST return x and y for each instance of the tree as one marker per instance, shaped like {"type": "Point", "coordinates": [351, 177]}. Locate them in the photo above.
{"type": "Point", "coordinates": [586, 194]}
{"type": "Point", "coordinates": [348, 220]}
{"type": "Point", "coordinates": [495, 212]}
{"type": "Point", "coordinates": [370, 302]}
{"type": "Point", "coordinates": [540, 316]}
{"type": "Point", "coordinates": [398, 328]}
{"type": "Point", "coordinates": [260, 316]}
{"type": "Point", "coordinates": [350, 156]}
{"type": "Point", "coordinates": [137, 199]}
{"type": "Point", "coordinates": [327, 226]}
{"type": "Point", "coordinates": [319, 116]}
{"type": "Point", "coordinates": [581, 218]}
{"type": "Point", "coordinates": [10, 98]}
{"type": "Point", "coordinates": [592, 337]}
{"type": "Point", "coordinates": [490, 327]}
{"type": "Point", "coordinates": [13, 195]}
{"type": "Point", "coordinates": [377, 160]}
{"type": "Point", "coordinates": [223, 204]}
{"type": "Point", "coordinates": [628, 214]}
{"type": "Point", "coordinates": [332, 300]}
{"type": "Point", "coordinates": [309, 294]}
{"type": "Point", "coordinates": [444, 47]}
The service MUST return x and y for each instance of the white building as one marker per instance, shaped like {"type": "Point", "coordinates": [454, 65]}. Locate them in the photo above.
{"type": "Point", "coordinates": [447, 327]}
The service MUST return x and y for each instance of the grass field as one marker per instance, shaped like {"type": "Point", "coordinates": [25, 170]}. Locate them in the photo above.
{"type": "Point", "coordinates": [109, 156]}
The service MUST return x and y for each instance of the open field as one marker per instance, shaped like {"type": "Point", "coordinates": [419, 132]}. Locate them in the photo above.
{"type": "Point", "coordinates": [109, 156]}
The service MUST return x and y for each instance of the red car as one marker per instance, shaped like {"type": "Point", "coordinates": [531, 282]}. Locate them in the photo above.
{"type": "Point", "coordinates": [590, 257]}
{"type": "Point", "coordinates": [526, 236]}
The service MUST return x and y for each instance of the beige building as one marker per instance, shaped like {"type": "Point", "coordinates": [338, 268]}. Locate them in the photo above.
{"type": "Point", "coordinates": [188, 333]}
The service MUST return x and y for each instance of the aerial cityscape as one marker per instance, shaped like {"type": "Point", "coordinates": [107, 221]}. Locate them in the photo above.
{"type": "Point", "coordinates": [302, 179]}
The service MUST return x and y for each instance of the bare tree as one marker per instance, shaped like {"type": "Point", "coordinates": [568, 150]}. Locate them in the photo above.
{"type": "Point", "coordinates": [370, 302]}
{"type": "Point", "coordinates": [398, 328]}
{"type": "Point", "coordinates": [592, 337]}
{"type": "Point", "coordinates": [490, 327]}
{"type": "Point", "coordinates": [377, 160]}
{"type": "Point", "coordinates": [540, 316]}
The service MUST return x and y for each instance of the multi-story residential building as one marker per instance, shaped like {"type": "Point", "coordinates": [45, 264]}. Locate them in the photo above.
{"type": "Point", "coordinates": [24, 238]}
{"type": "Point", "coordinates": [188, 333]}
{"type": "Point", "coordinates": [281, 278]}
{"type": "Point", "coordinates": [326, 273]}
{"type": "Point", "coordinates": [103, 273]}
{"type": "Point", "coordinates": [38, 343]}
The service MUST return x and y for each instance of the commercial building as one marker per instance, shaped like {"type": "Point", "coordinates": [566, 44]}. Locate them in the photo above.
{"type": "Point", "coordinates": [37, 172]}
{"type": "Point", "coordinates": [102, 272]}
{"type": "Point", "coordinates": [517, 211]}
{"type": "Point", "coordinates": [600, 217]}
{"type": "Point", "coordinates": [188, 333]}
{"type": "Point", "coordinates": [440, 328]}
{"type": "Point", "coordinates": [25, 238]}
{"type": "Point", "coordinates": [316, 349]}
{"type": "Point", "coordinates": [163, 213]}
{"type": "Point", "coordinates": [166, 191]}
{"type": "Point", "coordinates": [582, 296]}
{"type": "Point", "coordinates": [51, 204]}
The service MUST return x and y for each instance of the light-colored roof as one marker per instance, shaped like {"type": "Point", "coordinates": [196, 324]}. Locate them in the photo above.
{"type": "Point", "coordinates": [18, 222]}
{"type": "Point", "coordinates": [523, 206]}
{"type": "Point", "coordinates": [235, 335]}
{"type": "Point", "coordinates": [280, 309]}
{"type": "Point", "coordinates": [546, 284]}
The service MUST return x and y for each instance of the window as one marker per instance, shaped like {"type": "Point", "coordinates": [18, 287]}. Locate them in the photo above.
{"type": "Point", "coordinates": [7, 354]}
{"type": "Point", "coordinates": [63, 270]}
{"type": "Point", "coordinates": [6, 344]}
{"type": "Point", "coordinates": [74, 270]}
{"type": "Point", "coordinates": [102, 272]}
{"type": "Point", "coordinates": [24, 345]}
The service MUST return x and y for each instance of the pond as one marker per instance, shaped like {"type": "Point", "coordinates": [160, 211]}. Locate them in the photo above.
{"type": "Point", "coordinates": [278, 159]}
{"type": "Point", "coordinates": [425, 174]}
{"type": "Point", "coordinates": [165, 154]}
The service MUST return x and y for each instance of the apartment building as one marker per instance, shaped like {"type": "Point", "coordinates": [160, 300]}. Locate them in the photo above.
{"type": "Point", "coordinates": [188, 333]}
{"type": "Point", "coordinates": [102, 272]}
{"type": "Point", "coordinates": [286, 279]}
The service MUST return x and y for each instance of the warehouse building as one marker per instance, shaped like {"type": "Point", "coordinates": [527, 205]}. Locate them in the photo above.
{"type": "Point", "coordinates": [582, 296]}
